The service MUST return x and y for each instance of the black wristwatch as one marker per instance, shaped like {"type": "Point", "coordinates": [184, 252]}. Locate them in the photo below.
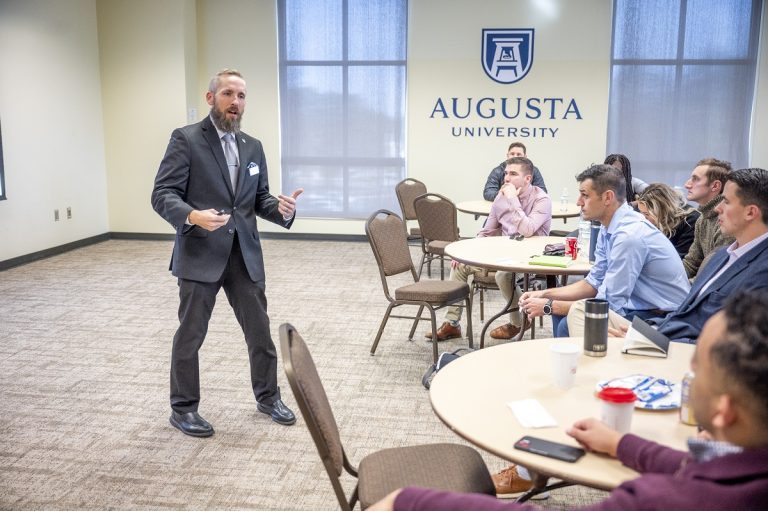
{"type": "Point", "coordinates": [548, 308]}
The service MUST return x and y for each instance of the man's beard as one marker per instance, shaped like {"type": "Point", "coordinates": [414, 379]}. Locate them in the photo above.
{"type": "Point", "coordinates": [223, 122]}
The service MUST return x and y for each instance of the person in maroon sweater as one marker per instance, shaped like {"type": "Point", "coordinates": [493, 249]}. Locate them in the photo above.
{"type": "Point", "coordinates": [726, 470]}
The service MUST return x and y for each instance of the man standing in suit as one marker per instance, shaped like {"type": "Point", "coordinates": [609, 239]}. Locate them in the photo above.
{"type": "Point", "coordinates": [211, 186]}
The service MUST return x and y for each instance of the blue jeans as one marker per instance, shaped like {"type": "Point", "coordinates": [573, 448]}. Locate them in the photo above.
{"type": "Point", "coordinates": [559, 326]}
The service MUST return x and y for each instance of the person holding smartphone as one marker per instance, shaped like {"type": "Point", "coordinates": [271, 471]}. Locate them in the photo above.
{"type": "Point", "coordinates": [726, 468]}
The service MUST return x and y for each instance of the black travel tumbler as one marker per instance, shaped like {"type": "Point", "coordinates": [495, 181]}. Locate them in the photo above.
{"type": "Point", "coordinates": [595, 327]}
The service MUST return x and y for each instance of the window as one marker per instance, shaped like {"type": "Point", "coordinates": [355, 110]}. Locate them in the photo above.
{"type": "Point", "coordinates": [342, 103]}
{"type": "Point", "coordinates": [682, 83]}
{"type": "Point", "coordinates": [2, 169]}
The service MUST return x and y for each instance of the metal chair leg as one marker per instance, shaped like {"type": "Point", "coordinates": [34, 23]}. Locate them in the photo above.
{"type": "Point", "coordinates": [415, 323]}
{"type": "Point", "coordinates": [470, 336]}
{"type": "Point", "coordinates": [506, 310]}
{"type": "Point", "coordinates": [482, 302]}
{"type": "Point", "coordinates": [434, 334]}
{"type": "Point", "coordinates": [381, 328]}
{"type": "Point", "coordinates": [421, 265]}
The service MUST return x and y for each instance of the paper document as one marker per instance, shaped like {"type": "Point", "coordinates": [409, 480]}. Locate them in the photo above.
{"type": "Point", "coordinates": [531, 414]}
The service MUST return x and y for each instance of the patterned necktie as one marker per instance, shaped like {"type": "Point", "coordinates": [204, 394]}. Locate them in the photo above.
{"type": "Point", "coordinates": [231, 155]}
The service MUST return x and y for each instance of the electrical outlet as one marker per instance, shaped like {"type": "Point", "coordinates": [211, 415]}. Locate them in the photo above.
{"type": "Point", "coordinates": [55, 215]}
{"type": "Point", "coordinates": [69, 212]}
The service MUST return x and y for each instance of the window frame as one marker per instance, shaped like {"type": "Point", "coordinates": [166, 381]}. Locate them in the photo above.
{"type": "Point", "coordinates": [680, 63]}
{"type": "Point", "coordinates": [345, 162]}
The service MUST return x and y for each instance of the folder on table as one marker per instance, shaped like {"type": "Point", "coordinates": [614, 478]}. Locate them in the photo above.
{"type": "Point", "coordinates": [547, 260]}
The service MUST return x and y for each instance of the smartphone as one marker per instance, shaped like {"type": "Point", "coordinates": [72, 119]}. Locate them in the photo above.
{"type": "Point", "coordinates": [549, 449]}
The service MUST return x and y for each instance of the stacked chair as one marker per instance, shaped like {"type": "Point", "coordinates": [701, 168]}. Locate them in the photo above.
{"type": "Point", "coordinates": [407, 190]}
{"type": "Point", "coordinates": [437, 217]}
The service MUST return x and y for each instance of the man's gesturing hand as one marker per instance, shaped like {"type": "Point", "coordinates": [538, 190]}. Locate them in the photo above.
{"type": "Point", "coordinates": [287, 205]}
{"type": "Point", "coordinates": [208, 219]}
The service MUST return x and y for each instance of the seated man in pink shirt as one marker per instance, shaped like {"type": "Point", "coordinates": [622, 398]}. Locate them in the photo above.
{"type": "Point", "coordinates": [725, 468]}
{"type": "Point", "coordinates": [519, 209]}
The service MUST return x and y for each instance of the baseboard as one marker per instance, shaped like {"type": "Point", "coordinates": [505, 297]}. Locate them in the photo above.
{"type": "Point", "coordinates": [263, 235]}
{"type": "Point", "coordinates": [49, 252]}
{"type": "Point", "coordinates": [146, 236]}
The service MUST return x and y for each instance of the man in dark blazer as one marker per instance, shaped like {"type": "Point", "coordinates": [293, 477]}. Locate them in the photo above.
{"type": "Point", "coordinates": [211, 186]}
{"type": "Point", "coordinates": [743, 214]}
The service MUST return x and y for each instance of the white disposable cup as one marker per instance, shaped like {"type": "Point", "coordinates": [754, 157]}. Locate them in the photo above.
{"type": "Point", "coordinates": [616, 408]}
{"type": "Point", "coordinates": [565, 359]}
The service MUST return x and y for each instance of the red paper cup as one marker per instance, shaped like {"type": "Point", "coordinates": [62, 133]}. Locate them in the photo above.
{"type": "Point", "coordinates": [570, 247]}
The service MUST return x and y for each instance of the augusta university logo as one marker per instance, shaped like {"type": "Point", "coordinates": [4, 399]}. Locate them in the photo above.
{"type": "Point", "coordinates": [507, 53]}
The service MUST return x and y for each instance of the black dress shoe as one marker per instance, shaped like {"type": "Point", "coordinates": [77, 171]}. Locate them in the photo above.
{"type": "Point", "coordinates": [191, 424]}
{"type": "Point", "coordinates": [279, 412]}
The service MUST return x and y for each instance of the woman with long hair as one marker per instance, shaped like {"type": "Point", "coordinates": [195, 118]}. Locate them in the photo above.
{"type": "Point", "coordinates": [635, 186]}
{"type": "Point", "coordinates": [665, 209]}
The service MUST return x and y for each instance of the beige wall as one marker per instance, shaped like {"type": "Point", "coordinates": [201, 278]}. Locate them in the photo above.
{"type": "Point", "coordinates": [571, 60]}
{"type": "Point", "coordinates": [144, 47]}
{"type": "Point", "coordinates": [97, 86]}
{"type": "Point", "coordinates": [50, 109]}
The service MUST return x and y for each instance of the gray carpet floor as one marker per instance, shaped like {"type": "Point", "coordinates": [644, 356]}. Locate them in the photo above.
{"type": "Point", "coordinates": [84, 357]}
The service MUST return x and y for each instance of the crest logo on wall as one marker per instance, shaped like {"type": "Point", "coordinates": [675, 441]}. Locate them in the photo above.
{"type": "Point", "coordinates": [507, 53]}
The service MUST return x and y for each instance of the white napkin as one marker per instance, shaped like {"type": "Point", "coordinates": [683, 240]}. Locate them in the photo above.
{"type": "Point", "coordinates": [531, 414]}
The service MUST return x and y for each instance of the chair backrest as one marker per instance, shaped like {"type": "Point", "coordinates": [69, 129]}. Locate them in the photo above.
{"type": "Point", "coordinates": [386, 234]}
{"type": "Point", "coordinates": [314, 406]}
{"type": "Point", "coordinates": [407, 190]}
{"type": "Point", "coordinates": [437, 217]}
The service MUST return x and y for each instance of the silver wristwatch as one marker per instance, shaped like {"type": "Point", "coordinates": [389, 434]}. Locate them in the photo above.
{"type": "Point", "coordinates": [548, 308]}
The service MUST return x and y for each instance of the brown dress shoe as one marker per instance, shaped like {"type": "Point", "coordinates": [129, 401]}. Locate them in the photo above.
{"type": "Point", "coordinates": [508, 482]}
{"type": "Point", "coordinates": [509, 330]}
{"type": "Point", "coordinates": [445, 332]}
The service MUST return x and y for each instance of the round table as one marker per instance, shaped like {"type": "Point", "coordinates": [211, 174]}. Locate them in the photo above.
{"type": "Point", "coordinates": [483, 208]}
{"type": "Point", "coordinates": [505, 254]}
{"type": "Point", "coordinates": [470, 396]}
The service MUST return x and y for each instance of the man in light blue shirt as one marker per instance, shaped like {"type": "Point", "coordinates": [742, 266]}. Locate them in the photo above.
{"type": "Point", "coordinates": [634, 269]}
{"type": "Point", "coordinates": [637, 270]}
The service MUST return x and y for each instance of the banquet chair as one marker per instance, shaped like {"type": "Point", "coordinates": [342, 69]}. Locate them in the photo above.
{"type": "Point", "coordinates": [386, 234]}
{"type": "Point", "coordinates": [482, 280]}
{"type": "Point", "coordinates": [407, 190]}
{"type": "Point", "coordinates": [443, 466]}
{"type": "Point", "coordinates": [439, 226]}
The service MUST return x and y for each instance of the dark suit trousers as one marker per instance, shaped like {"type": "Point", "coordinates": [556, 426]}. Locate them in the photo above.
{"type": "Point", "coordinates": [249, 303]}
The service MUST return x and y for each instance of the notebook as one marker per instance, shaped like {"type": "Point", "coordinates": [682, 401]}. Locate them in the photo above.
{"type": "Point", "coordinates": [548, 260]}
{"type": "Point", "coordinates": [643, 339]}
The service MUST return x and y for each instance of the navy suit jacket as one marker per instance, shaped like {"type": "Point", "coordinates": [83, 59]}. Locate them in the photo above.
{"type": "Point", "coordinates": [194, 175]}
{"type": "Point", "coordinates": [750, 271]}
